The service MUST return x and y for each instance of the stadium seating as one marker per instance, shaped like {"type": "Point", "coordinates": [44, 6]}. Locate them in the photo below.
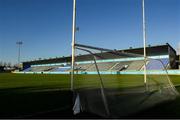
{"type": "Point", "coordinates": [136, 65]}
{"type": "Point", "coordinates": [41, 68]}
{"type": "Point", "coordinates": [101, 66]}
{"type": "Point", "coordinates": [118, 66]}
{"type": "Point", "coordinates": [157, 65]}
{"type": "Point", "coordinates": [47, 69]}
{"type": "Point", "coordinates": [82, 67]}
{"type": "Point", "coordinates": [121, 66]}
{"type": "Point", "coordinates": [27, 70]}
{"type": "Point", "coordinates": [60, 69]}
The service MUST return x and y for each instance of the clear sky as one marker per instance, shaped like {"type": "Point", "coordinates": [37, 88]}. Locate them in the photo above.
{"type": "Point", "coordinates": [45, 26]}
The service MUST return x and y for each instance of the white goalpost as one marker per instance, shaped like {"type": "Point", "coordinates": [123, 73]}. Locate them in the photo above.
{"type": "Point", "coordinates": [74, 35]}
{"type": "Point", "coordinates": [144, 41]}
{"type": "Point", "coordinates": [73, 44]}
{"type": "Point", "coordinates": [99, 87]}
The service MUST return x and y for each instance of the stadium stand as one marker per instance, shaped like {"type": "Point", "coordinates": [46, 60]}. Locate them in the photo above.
{"type": "Point", "coordinates": [165, 53]}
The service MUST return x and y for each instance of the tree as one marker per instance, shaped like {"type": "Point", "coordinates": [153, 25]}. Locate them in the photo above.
{"type": "Point", "coordinates": [1, 63]}
{"type": "Point", "coordinates": [9, 64]}
{"type": "Point", "coordinates": [4, 64]}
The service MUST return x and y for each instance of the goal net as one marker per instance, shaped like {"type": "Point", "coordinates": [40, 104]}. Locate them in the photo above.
{"type": "Point", "coordinates": [113, 83]}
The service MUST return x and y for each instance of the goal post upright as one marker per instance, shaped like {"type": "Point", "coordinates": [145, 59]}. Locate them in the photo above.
{"type": "Point", "coordinates": [73, 44]}
{"type": "Point", "coordinates": [144, 42]}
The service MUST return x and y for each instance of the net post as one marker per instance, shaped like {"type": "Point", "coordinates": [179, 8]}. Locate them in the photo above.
{"type": "Point", "coordinates": [73, 44]}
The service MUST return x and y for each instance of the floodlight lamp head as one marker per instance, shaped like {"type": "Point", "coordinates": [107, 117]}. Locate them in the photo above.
{"type": "Point", "coordinates": [19, 43]}
{"type": "Point", "coordinates": [77, 29]}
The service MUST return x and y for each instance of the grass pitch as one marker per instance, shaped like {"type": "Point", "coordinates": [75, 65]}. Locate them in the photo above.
{"type": "Point", "coordinates": [37, 95]}
{"type": "Point", "coordinates": [24, 95]}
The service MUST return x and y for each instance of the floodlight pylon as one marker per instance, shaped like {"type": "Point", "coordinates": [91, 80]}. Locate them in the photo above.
{"type": "Point", "coordinates": [19, 43]}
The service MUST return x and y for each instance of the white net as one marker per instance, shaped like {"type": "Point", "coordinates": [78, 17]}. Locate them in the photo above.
{"type": "Point", "coordinates": [111, 83]}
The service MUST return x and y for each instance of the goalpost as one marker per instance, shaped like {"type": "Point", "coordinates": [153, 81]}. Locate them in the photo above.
{"type": "Point", "coordinates": [144, 40]}
{"type": "Point", "coordinates": [73, 43]}
{"type": "Point", "coordinates": [74, 37]}
{"type": "Point", "coordinates": [101, 91]}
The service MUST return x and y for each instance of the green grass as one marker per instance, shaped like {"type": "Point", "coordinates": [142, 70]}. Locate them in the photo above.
{"type": "Point", "coordinates": [29, 94]}
{"type": "Point", "coordinates": [26, 94]}
{"type": "Point", "coordinates": [34, 80]}
{"type": "Point", "coordinates": [121, 81]}
{"type": "Point", "coordinates": [59, 81]}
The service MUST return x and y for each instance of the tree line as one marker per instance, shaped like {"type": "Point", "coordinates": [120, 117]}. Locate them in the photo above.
{"type": "Point", "coordinates": [6, 64]}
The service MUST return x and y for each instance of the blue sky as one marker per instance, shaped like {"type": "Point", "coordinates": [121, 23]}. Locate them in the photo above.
{"type": "Point", "coordinates": [45, 26]}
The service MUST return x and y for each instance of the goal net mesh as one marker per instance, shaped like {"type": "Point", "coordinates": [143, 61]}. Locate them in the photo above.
{"type": "Point", "coordinates": [112, 83]}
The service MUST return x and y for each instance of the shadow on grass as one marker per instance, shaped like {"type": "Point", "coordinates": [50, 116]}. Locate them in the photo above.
{"type": "Point", "coordinates": [131, 103]}
{"type": "Point", "coordinates": [47, 102]}
{"type": "Point", "coordinates": [163, 110]}
{"type": "Point", "coordinates": [38, 102]}
{"type": "Point", "coordinates": [168, 109]}
{"type": "Point", "coordinates": [27, 102]}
